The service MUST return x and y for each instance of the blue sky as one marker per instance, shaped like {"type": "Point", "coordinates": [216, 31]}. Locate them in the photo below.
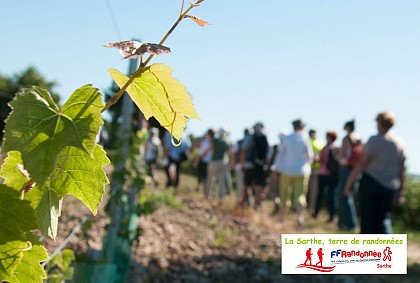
{"type": "Point", "coordinates": [272, 61]}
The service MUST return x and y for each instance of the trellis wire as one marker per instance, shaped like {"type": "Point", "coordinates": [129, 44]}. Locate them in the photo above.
{"type": "Point", "coordinates": [66, 241]}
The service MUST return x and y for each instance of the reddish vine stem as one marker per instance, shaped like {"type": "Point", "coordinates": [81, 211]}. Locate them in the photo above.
{"type": "Point", "coordinates": [142, 66]}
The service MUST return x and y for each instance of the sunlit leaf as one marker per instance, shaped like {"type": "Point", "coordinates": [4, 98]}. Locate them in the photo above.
{"type": "Point", "coordinates": [40, 130]}
{"type": "Point", "coordinates": [11, 254]}
{"type": "Point", "coordinates": [10, 173]}
{"type": "Point", "coordinates": [160, 95]}
{"type": "Point", "coordinates": [16, 219]}
{"type": "Point", "coordinates": [77, 174]}
{"type": "Point", "coordinates": [30, 269]}
{"type": "Point", "coordinates": [47, 210]}
{"type": "Point", "coordinates": [46, 203]}
{"type": "Point", "coordinates": [82, 176]}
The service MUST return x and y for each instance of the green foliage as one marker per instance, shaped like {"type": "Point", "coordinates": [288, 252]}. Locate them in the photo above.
{"type": "Point", "coordinates": [60, 267]}
{"type": "Point", "coordinates": [20, 253]}
{"type": "Point", "coordinates": [76, 174]}
{"type": "Point", "coordinates": [158, 94]}
{"type": "Point", "coordinates": [152, 200]}
{"type": "Point", "coordinates": [11, 254]}
{"type": "Point", "coordinates": [10, 85]}
{"type": "Point", "coordinates": [51, 153]}
{"type": "Point", "coordinates": [30, 269]}
{"type": "Point", "coordinates": [82, 176]}
{"type": "Point", "coordinates": [406, 216]}
{"type": "Point", "coordinates": [40, 129]}
{"type": "Point", "coordinates": [47, 211]}
{"type": "Point", "coordinates": [16, 217]}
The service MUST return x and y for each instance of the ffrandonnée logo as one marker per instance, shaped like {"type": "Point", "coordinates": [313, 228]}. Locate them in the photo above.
{"type": "Point", "coordinates": [344, 254]}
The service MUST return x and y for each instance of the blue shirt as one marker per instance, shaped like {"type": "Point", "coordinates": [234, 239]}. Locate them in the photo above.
{"type": "Point", "coordinates": [174, 152]}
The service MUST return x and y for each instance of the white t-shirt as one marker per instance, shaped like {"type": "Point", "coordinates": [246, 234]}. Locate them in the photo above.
{"type": "Point", "coordinates": [153, 148]}
{"type": "Point", "coordinates": [295, 155]}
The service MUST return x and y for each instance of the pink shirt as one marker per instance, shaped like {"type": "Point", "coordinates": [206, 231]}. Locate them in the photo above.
{"type": "Point", "coordinates": [323, 159]}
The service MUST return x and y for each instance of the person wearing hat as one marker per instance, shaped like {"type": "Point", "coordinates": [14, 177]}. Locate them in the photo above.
{"type": "Point", "coordinates": [254, 162]}
{"type": "Point", "coordinates": [295, 157]}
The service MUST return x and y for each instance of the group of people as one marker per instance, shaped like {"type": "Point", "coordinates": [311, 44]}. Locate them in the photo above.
{"type": "Point", "coordinates": [377, 166]}
{"type": "Point", "coordinates": [218, 157]}
{"type": "Point", "coordinates": [301, 171]}
{"type": "Point", "coordinates": [168, 153]}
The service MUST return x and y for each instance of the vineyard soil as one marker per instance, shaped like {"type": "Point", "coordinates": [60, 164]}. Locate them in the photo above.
{"type": "Point", "coordinates": [207, 241]}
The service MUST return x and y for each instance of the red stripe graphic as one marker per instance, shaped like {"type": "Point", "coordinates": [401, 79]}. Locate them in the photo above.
{"type": "Point", "coordinates": [317, 268]}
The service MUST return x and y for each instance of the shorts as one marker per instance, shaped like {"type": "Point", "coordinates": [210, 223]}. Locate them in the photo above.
{"type": "Point", "coordinates": [255, 176]}
{"type": "Point", "coordinates": [293, 190]}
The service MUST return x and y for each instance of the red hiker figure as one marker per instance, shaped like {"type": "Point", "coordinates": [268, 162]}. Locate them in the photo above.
{"type": "Point", "coordinates": [320, 254]}
{"type": "Point", "coordinates": [387, 254]}
{"type": "Point", "coordinates": [308, 257]}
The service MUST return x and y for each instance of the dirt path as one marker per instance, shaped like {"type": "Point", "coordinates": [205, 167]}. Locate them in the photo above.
{"type": "Point", "coordinates": [208, 243]}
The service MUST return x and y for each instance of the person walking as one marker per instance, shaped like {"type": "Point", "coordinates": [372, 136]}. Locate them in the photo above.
{"type": "Point", "coordinates": [218, 166]}
{"type": "Point", "coordinates": [308, 257]}
{"type": "Point", "coordinates": [203, 158]}
{"type": "Point", "coordinates": [327, 176]}
{"type": "Point", "coordinates": [276, 169]}
{"type": "Point", "coordinates": [239, 173]}
{"type": "Point", "coordinates": [351, 147]}
{"type": "Point", "coordinates": [295, 157]}
{"type": "Point", "coordinates": [382, 167]}
{"type": "Point", "coordinates": [317, 146]}
{"type": "Point", "coordinates": [152, 152]}
{"type": "Point", "coordinates": [254, 161]}
{"type": "Point", "coordinates": [174, 156]}
{"type": "Point", "coordinates": [320, 256]}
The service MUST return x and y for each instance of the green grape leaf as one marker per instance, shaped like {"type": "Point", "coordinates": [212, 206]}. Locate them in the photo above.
{"type": "Point", "coordinates": [77, 174]}
{"type": "Point", "coordinates": [10, 173]}
{"type": "Point", "coordinates": [16, 218]}
{"type": "Point", "coordinates": [82, 176]}
{"type": "Point", "coordinates": [11, 255]}
{"type": "Point", "coordinates": [16, 215]}
{"type": "Point", "coordinates": [46, 202]}
{"type": "Point", "coordinates": [160, 95]}
{"type": "Point", "coordinates": [47, 210]}
{"type": "Point", "coordinates": [30, 269]}
{"type": "Point", "coordinates": [40, 130]}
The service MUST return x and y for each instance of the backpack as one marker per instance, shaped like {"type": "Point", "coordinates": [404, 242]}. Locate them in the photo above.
{"type": "Point", "coordinates": [185, 155]}
{"type": "Point", "coordinates": [356, 152]}
{"type": "Point", "coordinates": [332, 163]}
{"type": "Point", "coordinates": [259, 149]}
{"type": "Point", "coordinates": [238, 151]}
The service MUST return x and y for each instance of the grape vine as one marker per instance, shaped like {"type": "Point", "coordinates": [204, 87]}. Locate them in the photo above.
{"type": "Point", "coordinates": [52, 152]}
